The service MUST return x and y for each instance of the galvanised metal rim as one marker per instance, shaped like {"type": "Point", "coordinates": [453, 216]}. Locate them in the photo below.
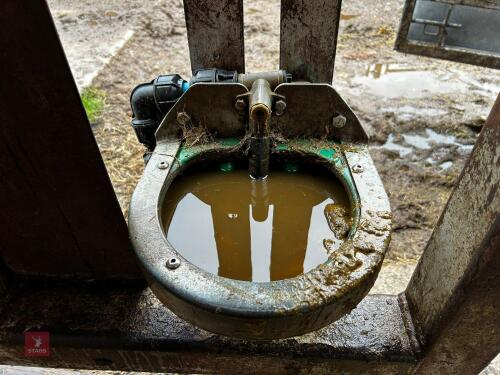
{"type": "Point", "coordinates": [274, 309]}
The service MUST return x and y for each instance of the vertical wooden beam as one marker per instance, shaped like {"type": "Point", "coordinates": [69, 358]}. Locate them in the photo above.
{"type": "Point", "coordinates": [59, 214]}
{"type": "Point", "coordinates": [308, 39]}
{"type": "Point", "coordinates": [215, 34]}
{"type": "Point", "coordinates": [454, 293]}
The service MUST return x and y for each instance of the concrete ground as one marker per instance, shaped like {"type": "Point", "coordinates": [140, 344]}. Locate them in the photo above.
{"type": "Point", "coordinates": [423, 115]}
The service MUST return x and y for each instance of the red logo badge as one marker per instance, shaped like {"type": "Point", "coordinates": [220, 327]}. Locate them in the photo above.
{"type": "Point", "coordinates": [36, 344]}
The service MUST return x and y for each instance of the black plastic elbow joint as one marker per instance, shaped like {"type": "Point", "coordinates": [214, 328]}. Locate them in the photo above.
{"type": "Point", "coordinates": [150, 102]}
{"type": "Point", "coordinates": [146, 117]}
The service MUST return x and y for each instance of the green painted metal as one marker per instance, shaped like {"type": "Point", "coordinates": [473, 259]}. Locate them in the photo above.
{"type": "Point", "coordinates": [291, 167]}
{"type": "Point", "coordinates": [226, 166]}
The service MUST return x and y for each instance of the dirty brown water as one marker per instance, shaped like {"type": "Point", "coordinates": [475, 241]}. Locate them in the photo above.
{"type": "Point", "coordinates": [256, 230]}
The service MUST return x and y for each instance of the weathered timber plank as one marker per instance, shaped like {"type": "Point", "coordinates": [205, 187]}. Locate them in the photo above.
{"type": "Point", "coordinates": [59, 215]}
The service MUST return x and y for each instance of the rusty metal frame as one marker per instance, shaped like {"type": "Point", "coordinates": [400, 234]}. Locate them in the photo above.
{"type": "Point", "coordinates": [446, 321]}
{"type": "Point", "coordinates": [439, 50]}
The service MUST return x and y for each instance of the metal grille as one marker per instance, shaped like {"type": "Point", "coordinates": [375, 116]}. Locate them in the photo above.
{"type": "Point", "coordinates": [459, 30]}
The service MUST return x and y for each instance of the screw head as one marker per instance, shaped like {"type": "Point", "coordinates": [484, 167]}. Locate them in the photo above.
{"type": "Point", "coordinates": [339, 121]}
{"type": "Point", "coordinates": [163, 165]}
{"type": "Point", "coordinates": [358, 168]}
{"type": "Point", "coordinates": [280, 107]}
{"type": "Point", "coordinates": [183, 118]}
{"type": "Point", "coordinates": [240, 105]}
{"type": "Point", "coordinates": [173, 263]}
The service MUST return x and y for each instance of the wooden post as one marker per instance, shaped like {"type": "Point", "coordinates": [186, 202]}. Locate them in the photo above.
{"type": "Point", "coordinates": [58, 211]}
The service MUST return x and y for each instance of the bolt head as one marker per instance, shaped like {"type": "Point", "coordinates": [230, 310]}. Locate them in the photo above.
{"type": "Point", "coordinates": [358, 168]}
{"type": "Point", "coordinates": [173, 263]}
{"type": "Point", "coordinates": [280, 107]}
{"type": "Point", "coordinates": [183, 118]}
{"type": "Point", "coordinates": [163, 165]}
{"type": "Point", "coordinates": [240, 105]}
{"type": "Point", "coordinates": [339, 121]}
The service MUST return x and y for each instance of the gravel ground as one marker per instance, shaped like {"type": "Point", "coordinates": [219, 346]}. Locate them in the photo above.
{"type": "Point", "coordinates": [423, 115]}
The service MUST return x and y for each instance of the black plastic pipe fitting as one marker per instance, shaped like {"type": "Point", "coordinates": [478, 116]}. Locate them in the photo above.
{"type": "Point", "coordinates": [150, 102]}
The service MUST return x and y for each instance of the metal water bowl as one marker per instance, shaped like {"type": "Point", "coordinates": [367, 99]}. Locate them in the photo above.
{"type": "Point", "coordinates": [264, 310]}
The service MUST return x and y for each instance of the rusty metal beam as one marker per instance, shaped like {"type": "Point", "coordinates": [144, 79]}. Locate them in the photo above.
{"type": "Point", "coordinates": [308, 38]}
{"type": "Point", "coordinates": [215, 34]}
{"type": "Point", "coordinates": [59, 214]}
{"type": "Point", "coordinates": [454, 293]}
{"type": "Point", "coordinates": [117, 328]}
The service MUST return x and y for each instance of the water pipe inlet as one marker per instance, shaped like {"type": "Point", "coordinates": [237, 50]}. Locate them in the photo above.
{"type": "Point", "coordinates": [260, 104]}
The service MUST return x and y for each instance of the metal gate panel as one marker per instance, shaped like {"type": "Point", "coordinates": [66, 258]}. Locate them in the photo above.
{"type": "Point", "coordinates": [459, 30]}
{"type": "Point", "coordinates": [308, 38]}
{"type": "Point", "coordinates": [215, 34]}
